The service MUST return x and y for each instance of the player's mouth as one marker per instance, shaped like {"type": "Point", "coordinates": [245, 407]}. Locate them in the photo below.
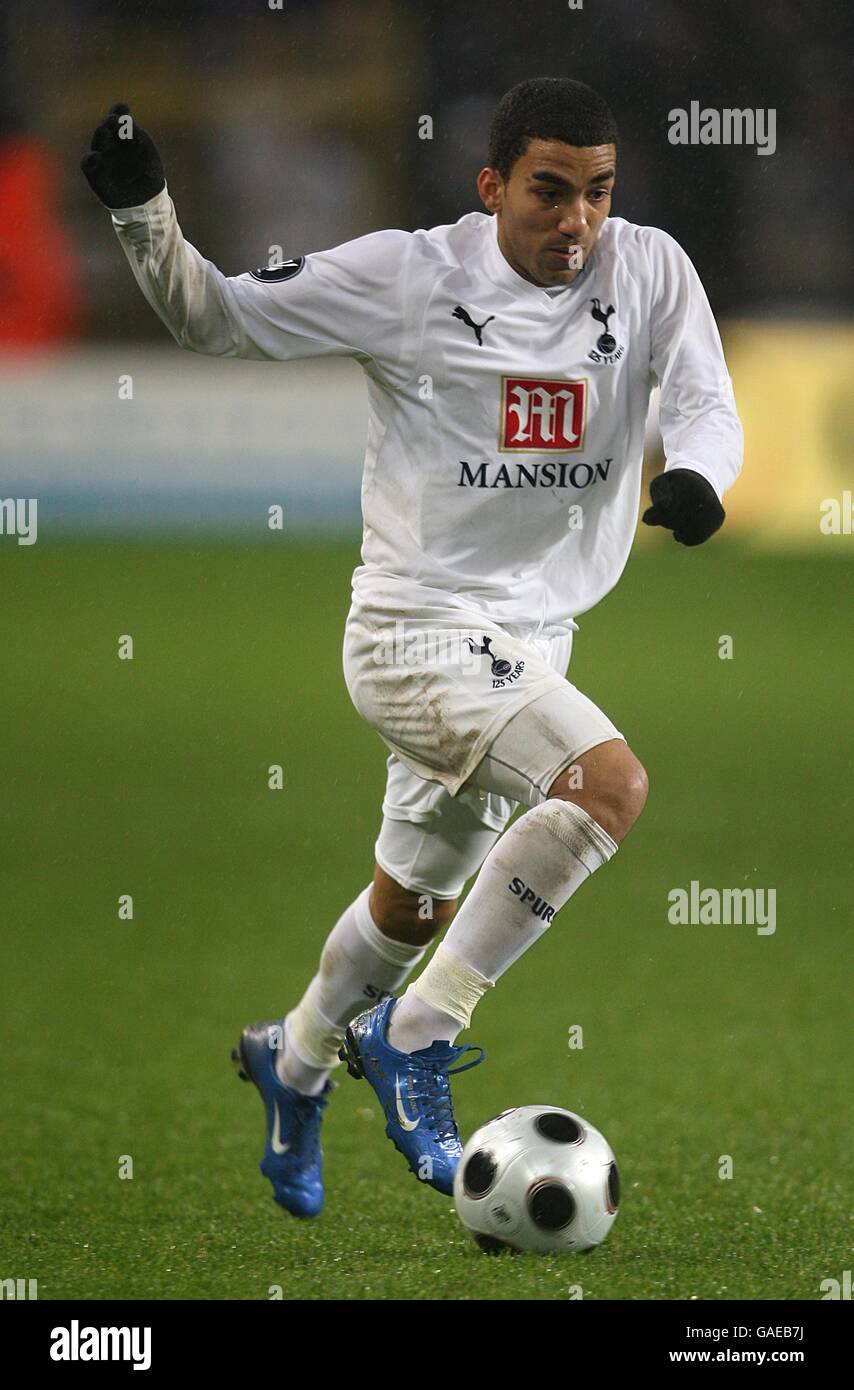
{"type": "Point", "coordinates": [567, 254]}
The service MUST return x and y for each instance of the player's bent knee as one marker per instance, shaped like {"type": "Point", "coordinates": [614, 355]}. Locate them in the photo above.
{"type": "Point", "coordinates": [633, 792]}
{"type": "Point", "coordinates": [612, 787]}
{"type": "Point", "coordinates": [405, 914]}
{"type": "Point", "coordinates": [621, 796]}
{"type": "Point", "coordinates": [416, 917]}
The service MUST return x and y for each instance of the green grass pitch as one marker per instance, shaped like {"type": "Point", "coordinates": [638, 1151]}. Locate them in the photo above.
{"type": "Point", "coordinates": [148, 777]}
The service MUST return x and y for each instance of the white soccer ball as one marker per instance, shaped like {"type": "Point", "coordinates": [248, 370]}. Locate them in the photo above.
{"type": "Point", "coordinates": [537, 1178]}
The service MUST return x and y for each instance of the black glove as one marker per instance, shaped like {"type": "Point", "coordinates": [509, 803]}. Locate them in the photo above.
{"type": "Point", "coordinates": [123, 172]}
{"type": "Point", "coordinates": [686, 504]}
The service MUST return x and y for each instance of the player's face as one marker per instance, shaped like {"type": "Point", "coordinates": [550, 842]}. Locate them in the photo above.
{"type": "Point", "coordinates": [555, 200]}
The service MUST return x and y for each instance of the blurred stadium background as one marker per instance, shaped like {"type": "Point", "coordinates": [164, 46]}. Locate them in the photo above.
{"type": "Point", "coordinates": [298, 127]}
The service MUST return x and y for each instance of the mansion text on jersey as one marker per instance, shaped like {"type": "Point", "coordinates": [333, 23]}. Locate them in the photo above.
{"type": "Point", "coordinates": [549, 474]}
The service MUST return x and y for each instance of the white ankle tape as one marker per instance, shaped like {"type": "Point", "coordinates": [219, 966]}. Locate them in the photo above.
{"type": "Point", "coordinates": [580, 833]}
{"type": "Point", "coordinates": [451, 986]}
{"type": "Point", "coordinates": [312, 1037]}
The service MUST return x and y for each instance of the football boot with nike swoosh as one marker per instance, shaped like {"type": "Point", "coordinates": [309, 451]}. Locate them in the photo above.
{"type": "Point", "coordinates": [414, 1092]}
{"type": "Point", "coordinates": [293, 1158]}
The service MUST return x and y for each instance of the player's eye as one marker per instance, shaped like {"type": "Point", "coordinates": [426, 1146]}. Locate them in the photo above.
{"type": "Point", "coordinates": [598, 194]}
{"type": "Point", "coordinates": [550, 196]}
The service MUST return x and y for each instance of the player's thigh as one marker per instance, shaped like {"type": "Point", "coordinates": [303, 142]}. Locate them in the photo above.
{"type": "Point", "coordinates": [438, 698]}
{"type": "Point", "coordinates": [539, 742]}
{"type": "Point", "coordinates": [432, 843]}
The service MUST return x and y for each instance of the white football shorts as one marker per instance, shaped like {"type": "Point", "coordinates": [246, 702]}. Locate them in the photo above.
{"type": "Point", "coordinates": [477, 721]}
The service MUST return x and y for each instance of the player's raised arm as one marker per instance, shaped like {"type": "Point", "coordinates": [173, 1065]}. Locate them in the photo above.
{"type": "Point", "coordinates": [702, 434]}
{"type": "Point", "coordinates": [344, 302]}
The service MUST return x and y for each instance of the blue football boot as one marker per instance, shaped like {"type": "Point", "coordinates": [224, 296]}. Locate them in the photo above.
{"type": "Point", "coordinates": [293, 1158]}
{"type": "Point", "coordinates": [414, 1091]}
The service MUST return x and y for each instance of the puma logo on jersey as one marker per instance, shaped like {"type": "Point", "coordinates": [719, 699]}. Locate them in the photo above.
{"type": "Point", "coordinates": [460, 313]}
{"type": "Point", "coordinates": [539, 906]}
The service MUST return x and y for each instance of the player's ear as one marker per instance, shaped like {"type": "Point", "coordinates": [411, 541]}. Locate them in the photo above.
{"type": "Point", "coordinates": [490, 186]}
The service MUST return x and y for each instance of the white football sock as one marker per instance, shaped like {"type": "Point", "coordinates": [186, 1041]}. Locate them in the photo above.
{"type": "Point", "coordinates": [358, 967]}
{"type": "Point", "coordinates": [528, 875]}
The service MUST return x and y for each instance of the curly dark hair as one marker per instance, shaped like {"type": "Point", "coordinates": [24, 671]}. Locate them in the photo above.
{"type": "Point", "coordinates": [547, 108]}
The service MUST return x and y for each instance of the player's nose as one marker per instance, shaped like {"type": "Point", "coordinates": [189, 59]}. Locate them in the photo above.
{"type": "Point", "coordinates": [573, 228]}
{"type": "Point", "coordinates": [573, 223]}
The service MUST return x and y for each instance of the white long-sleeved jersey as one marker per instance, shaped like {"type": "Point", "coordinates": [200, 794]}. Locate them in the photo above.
{"type": "Point", "coordinates": [503, 463]}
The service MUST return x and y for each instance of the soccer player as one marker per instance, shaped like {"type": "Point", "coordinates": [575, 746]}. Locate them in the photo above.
{"type": "Point", "coordinates": [509, 359]}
